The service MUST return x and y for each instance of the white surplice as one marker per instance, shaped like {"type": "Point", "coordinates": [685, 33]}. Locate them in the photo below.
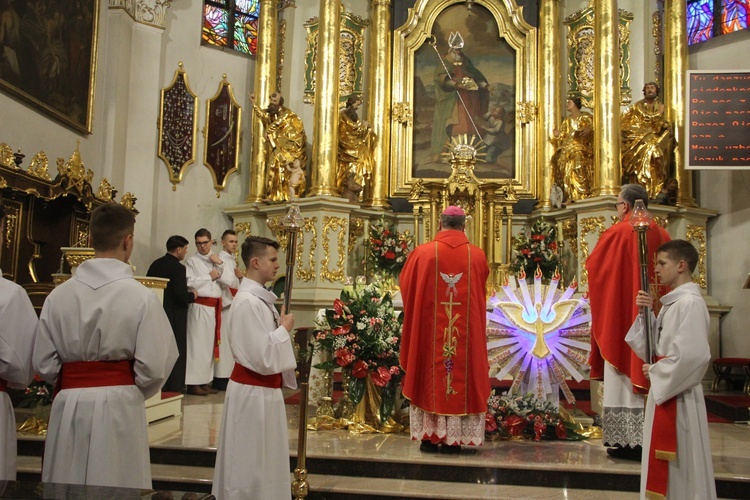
{"type": "Point", "coordinates": [682, 332]}
{"type": "Point", "coordinates": [201, 322]}
{"type": "Point", "coordinates": [252, 455]}
{"type": "Point", "coordinates": [18, 321]}
{"type": "Point", "coordinates": [223, 367]}
{"type": "Point", "coordinates": [98, 435]}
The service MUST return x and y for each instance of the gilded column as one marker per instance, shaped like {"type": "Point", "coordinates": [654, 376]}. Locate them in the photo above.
{"type": "Point", "coordinates": [607, 170]}
{"type": "Point", "coordinates": [379, 85]}
{"type": "Point", "coordinates": [549, 93]}
{"type": "Point", "coordinates": [675, 68]}
{"type": "Point", "coordinates": [264, 85]}
{"type": "Point", "coordinates": [326, 126]}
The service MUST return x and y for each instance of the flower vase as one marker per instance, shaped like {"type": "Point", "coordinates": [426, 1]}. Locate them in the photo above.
{"type": "Point", "coordinates": [38, 420]}
{"type": "Point", "coordinates": [346, 407]}
{"type": "Point", "coordinates": [366, 417]}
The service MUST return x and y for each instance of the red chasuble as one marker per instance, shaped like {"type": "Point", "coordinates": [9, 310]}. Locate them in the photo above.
{"type": "Point", "coordinates": [614, 281]}
{"type": "Point", "coordinates": [444, 344]}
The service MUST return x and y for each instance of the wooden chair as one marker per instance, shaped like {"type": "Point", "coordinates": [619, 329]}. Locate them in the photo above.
{"type": "Point", "coordinates": [723, 369]}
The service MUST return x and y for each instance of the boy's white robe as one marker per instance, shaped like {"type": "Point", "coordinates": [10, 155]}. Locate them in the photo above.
{"type": "Point", "coordinates": [17, 332]}
{"type": "Point", "coordinates": [682, 332]}
{"type": "Point", "coordinates": [98, 435]}
{"type": "Point", "coordinates": [201, 321]}
{"type": "Point", "coordinates": [223, 367]}
{"type": "Point", "coordinates": [252, 456]}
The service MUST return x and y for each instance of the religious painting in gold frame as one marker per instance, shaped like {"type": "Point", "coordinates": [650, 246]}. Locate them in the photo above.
{"type": "Point", "coordinates": [581, 55]}
{"type": "Point", "coordinates": [49, 60]}
{"type": "Point", "coordinates": [501, 48]}
{"type": "Point", "coordinates": [221, 153]}
{"type": "Point", "coordinates": [178, 126]}
{"type": "Point", "coordinates": [351, 56]}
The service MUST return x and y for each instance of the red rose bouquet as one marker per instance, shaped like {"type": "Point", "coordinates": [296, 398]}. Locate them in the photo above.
{"type": "Point", "coordinates": [388, 248]}
{"type": "Point", "coordinates": [526, 417]}
{"type": "Point", "coordinates": [536, 246]}
{"type": "Point", "coordinates": [362, 333]}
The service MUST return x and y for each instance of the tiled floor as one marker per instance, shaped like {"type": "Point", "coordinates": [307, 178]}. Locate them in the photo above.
{"type": "Point", "coordinates": [198, 428]}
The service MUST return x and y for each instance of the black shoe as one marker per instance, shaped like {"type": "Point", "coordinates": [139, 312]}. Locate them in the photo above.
{"type": "Point", "coordinates": [626, 453]}
{"type": "Point", "coordinates": [450, 449]}
{"type": "Point", "coordinates": [220, 384]}
{"type": "Point", "coordinates": [428, 446]}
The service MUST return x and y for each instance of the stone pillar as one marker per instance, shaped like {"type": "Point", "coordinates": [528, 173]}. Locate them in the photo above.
{"type": "Point", "coordinates": [549, 93]}
{"type": "Point", "coordinates": [326, 123]}
{"type": "Point", "coordinates": [263, 86]}
{"type": "Point", "coordinates": [675, 68]}
{"type": "Point", "coordinates": [379, 85]}
{"type": "Point", "coordinates": [607, 169]}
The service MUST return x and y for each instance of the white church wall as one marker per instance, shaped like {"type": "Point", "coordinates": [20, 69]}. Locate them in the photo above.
{"type": "Point", "coordinates": [727, 191]}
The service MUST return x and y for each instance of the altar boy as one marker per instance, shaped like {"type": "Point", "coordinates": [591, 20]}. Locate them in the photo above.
{"type": "Point", "coordinates": [676, 459]}
{"type": "Point", "coordinates": [105, 341]}
{"type": "Point", "coordinates": [18, 321]}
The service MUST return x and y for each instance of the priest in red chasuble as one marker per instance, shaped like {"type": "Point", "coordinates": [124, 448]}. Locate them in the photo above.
{"type": "Point", "coordinates": [444, 345]}
{"type": "Point", "coordinates": [614, 281]}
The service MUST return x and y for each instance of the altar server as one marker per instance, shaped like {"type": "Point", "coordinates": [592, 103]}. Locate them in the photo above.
{"type": "Point", "coordinates": [229, 281]}
{"type": "Point", "coordinates": [105, 341]}
{"type": "Point", "coordinates": [252, 455]}
{"type": "Point", "coordinates": [676, 460]}
{"type": "Point", "coordinates": [18, 321]}
{"type": "Point", "coordinates": [444, 343]}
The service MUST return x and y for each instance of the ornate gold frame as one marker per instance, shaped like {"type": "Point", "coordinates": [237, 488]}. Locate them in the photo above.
{"type": "Point", "coordinates": [412, 36]}
{"type": "Point", "coordinates": [580, 55]}
{"type": "Point", "coordinates": [234, 128]}
{"type": "Point", "coordinates": [171, 97]}
{"type": "Point", "coordinates": [351, 52]}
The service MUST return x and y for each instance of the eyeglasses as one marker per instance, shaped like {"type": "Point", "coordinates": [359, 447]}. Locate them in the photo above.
{"type": "Point", "coordinates": [620, 203]}
{"type": "Point", "coordinates": [202, 243]}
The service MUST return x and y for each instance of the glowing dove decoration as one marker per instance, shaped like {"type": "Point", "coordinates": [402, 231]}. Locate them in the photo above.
{"type": "Point", "coordinates": [540, 342]}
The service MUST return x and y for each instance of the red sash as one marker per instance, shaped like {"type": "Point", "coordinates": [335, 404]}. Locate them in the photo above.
{"type": "Point", "coordinates": [244, 375]}
{"type": "Point", "coordinates": [83, 374]}
{"type": "Point", "coordinates": [3, 385]}
{"type": "Point", "coordinates": [214, 302]}
{"type": "Point", "coordinates": [233, 291]}
{"type": "Point", "coordinates": [663, 448]}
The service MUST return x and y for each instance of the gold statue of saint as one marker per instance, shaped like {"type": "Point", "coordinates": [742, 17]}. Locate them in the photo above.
{"type": "Point", "coordinates": [646, 142]}
{"type": "Point", "coordinates": [285, 143]}
{"type": "Point", "coordinates": [356, 145]}
{"type": "Point", "coordinates": [573, 161]}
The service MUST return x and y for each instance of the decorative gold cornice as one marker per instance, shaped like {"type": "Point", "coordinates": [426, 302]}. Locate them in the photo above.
{"type": "Point", "coordinates": [106, 192]}
{"type": "Point", "coordinates": [75, 170]}
{"type": "Point", "coordinates": [149, 12]}
{"type": "Point", "coordinates": [128, 200]}
{"type": "Point", "coordinates": [6, 157]}
{"type": "Point", "coordinates": [696, 233]}
{"type": "Point", "coordinates": [39, 166]}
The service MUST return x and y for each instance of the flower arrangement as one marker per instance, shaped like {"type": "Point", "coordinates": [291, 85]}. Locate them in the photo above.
{"type": "Point", "coordinates": [526, 417]}
{"type": "Point", "coordinates": [536, 247]}
{"type": "Point", "coordinates": [38, 393]}
{"type": "Point", "coordinates": [388, 248]}
{"type": "Point", "coordinates": [362, 333]}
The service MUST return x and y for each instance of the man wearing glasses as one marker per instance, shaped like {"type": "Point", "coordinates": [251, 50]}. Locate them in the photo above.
{"type": "Point", "coordinates": [614, 281]}
{"type": "Point", "coordinates": [204, 316]}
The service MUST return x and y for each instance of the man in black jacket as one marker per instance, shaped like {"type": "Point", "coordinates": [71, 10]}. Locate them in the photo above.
{"type": "Point", "coordinates": [176, 300]}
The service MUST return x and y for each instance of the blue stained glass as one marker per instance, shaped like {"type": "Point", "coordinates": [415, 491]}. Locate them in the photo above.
{"type": "Point", "coordinates": [214, 25]}
{"type": "Point", "coordinates": [734, 15]}
{"type": "Point", "coordinates": [700, 20]}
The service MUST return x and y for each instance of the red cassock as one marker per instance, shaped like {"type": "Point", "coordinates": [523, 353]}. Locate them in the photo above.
{"type": "Point", "coordinates": [614, 281]}
{"type": "Point", "coordinates": [444, 344]}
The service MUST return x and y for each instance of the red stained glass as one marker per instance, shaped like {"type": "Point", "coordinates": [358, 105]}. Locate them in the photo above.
{"type": "Point", "coordinates": [238, 31]}
{"type": "Point", "coordinates": [734, 15]}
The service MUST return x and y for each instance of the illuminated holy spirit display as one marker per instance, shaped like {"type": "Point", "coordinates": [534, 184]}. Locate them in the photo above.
{"type": "Point", "coordinates": [540, 341]}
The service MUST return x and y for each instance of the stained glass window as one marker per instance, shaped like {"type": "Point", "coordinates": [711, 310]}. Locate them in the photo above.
{"type": "Point", "coordinates": [231, 23]}
{"type": "Point", "coordinates": [709, 18]}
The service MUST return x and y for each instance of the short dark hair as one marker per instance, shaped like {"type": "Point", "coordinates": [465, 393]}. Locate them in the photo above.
{"type": "Point", "coordinates": [452, 221]}
{"type": "Point", "coordinates": [176, 241]}
{"type": "Point", "coordinates": [254, 246]}
{"type": "Point", "coordinates": [228, 231]}
{"type": "Point", "coordinates": [577, 101]}
{"type": "Point", "coordinates": [632, 192]}
{"type": "Point", "coordinates": [203, 232]}
{"type": "Point", "coordinates": [678, 250]}
{"type": "Point", "coordinates": [110, 223]}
